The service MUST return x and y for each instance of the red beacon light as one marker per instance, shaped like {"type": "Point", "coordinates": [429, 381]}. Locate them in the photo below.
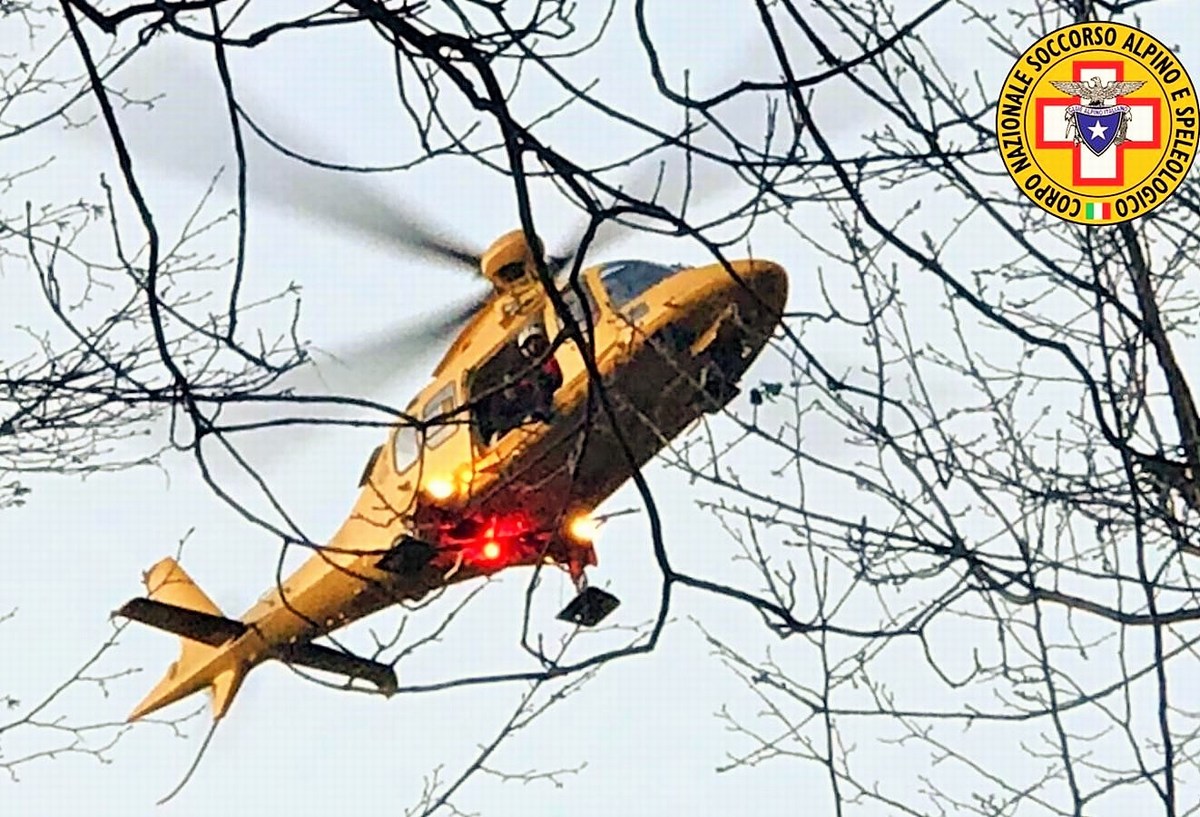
{"type": "Point", "coordinates": [498, 541]}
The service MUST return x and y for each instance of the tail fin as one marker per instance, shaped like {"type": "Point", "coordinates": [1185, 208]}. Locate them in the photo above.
{"type": "Point", "coordinates": [176, 604]}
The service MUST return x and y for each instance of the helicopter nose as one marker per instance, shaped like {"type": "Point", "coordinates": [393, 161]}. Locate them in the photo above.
{"type": "Point", "coordinates": [767, 282]}
{"type": "Point", "coordinates": [760, 285]}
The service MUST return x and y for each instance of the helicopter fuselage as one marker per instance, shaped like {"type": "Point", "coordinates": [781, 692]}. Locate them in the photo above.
{"type": "Point", "coordinates": [639, 367]}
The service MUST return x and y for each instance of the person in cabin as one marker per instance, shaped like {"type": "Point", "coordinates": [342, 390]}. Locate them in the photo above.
{"type": "Point", "coordinates": [543, 377]}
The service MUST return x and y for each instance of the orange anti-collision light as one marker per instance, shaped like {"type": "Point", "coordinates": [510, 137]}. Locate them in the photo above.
{"type": "Point", "coordinates": [583, 528]}
{"type": "Point", "coordinates": [439, 488]}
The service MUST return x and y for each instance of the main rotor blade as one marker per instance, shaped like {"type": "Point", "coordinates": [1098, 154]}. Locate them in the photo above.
{"type": "Point", "coordinates": [607, 233]}
{"type": "Point", "coordinates": [341, 196]}
{"type": "Point", "coordinates": [651, 181]}
{"type": "Point", "coordinates": [188, 131]}
{"type": "Point", "coordinates": [369, 365]}
{"type": "Point", "coordinates": [367, 368]}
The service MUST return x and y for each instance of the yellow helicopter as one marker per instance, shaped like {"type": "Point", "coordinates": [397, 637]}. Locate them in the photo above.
{"type": "Point", "coordinates": [501, 460]}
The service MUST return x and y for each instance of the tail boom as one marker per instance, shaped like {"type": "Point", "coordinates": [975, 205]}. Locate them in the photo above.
{"type": "Point", "coordinates": [217, 652]}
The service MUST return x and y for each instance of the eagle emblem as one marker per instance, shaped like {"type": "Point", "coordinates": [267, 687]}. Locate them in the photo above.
{"type": "Point", "coordinates": [1094, 124]}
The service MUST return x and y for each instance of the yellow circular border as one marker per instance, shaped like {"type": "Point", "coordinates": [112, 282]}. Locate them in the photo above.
{"type": "Point", "coordinates": [1019, 151]}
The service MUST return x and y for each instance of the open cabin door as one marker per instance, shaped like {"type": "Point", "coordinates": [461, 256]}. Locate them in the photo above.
{"type": "Point", "coordinates": [499, 391]}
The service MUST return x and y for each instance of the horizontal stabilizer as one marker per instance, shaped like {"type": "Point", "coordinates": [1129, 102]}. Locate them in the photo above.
{"type": "Point", "coordinates": [315, 656]}
{"type": "Point", "coordinates": [190, 624]}
{"type": "Point", "coordinates": [176, 604]}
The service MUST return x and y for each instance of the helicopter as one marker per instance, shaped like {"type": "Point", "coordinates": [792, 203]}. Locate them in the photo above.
{"type": "Point", "coordinates": [500, 461]}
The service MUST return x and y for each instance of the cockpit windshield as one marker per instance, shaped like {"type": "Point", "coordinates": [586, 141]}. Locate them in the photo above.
{"type": "Point", "coordinates": [626, 280]}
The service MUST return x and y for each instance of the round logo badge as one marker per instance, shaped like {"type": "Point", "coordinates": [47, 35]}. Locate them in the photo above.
{"type": "Point", "coordinates": [1097, 123]}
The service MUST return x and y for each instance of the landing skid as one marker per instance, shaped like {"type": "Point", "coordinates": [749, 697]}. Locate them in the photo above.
{"type": "Point", "coordinates": [590, 607]}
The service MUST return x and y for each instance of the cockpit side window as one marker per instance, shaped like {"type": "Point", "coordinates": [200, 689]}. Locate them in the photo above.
{"type": "Point", "coordinates": [405, 447]}
{"type": "Point", "coordinates": [626, 280]}
{"type": "Point", "coordinates": [439, 408]}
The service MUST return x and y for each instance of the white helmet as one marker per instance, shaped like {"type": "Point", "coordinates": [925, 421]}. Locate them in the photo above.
{"type": "Point", "coordinates": [533, 330]}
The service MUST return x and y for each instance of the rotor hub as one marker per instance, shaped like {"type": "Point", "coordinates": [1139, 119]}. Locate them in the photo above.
{"type": "Point", "coordinates": [509, 263]}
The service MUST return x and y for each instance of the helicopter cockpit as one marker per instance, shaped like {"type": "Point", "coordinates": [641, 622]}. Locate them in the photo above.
{"type": "Point", "coordinates": [626, 280]}
{"type": "Point", "coordinates": [497, 394]}
{"type": "Point", "coordinates": [492, 392]}
{"type": "Point", "coordinates": [492, 384]}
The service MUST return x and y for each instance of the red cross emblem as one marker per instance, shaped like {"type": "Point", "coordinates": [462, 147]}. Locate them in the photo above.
{"type": "Point", "coordinates": [1088, 169]}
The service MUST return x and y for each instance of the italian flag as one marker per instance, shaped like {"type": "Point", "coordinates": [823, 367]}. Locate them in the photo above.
{"type": "Point", "coordinates": [1097, 211]}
